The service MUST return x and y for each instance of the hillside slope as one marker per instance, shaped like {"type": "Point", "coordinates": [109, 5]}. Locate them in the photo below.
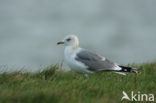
{"type": "Point", "coordinates": [52, 86]}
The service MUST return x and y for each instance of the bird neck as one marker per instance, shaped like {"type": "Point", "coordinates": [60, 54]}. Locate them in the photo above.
{"type": "Point", "coordinates": [76, 44]}
{"type": "Point", "coordinates": [71, 49]}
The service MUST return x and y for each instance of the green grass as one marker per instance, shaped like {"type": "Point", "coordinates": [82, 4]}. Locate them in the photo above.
{"type": "Point", "coordinates": [52, 86]}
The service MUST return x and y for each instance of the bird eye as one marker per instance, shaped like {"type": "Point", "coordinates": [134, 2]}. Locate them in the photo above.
{"type": "Point", "coordinates": [68, 39]}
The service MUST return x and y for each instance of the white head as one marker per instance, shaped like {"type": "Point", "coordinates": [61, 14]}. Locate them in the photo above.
{"type": "Point", "coordinates": [70, 40]}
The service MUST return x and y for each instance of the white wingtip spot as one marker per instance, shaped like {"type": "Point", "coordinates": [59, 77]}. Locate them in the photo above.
{"type": "Point", "coordinates": [103, 59]}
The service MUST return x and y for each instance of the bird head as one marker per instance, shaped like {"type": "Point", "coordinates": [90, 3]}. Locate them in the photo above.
{"type": "Point", "coordinates": [70, 40]}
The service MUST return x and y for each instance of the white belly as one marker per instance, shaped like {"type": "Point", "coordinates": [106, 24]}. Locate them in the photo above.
{"type": "Point", "coordinates": [72, 63]}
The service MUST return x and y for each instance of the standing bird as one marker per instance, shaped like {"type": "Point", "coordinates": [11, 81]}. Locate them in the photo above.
{"type": "Point", "coordinates": [84, 61]}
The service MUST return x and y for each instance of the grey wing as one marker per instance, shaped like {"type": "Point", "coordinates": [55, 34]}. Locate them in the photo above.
{"type": "Point", "coordinates": [93, 61]}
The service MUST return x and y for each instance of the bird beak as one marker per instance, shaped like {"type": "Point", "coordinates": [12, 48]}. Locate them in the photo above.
{"type": "Point", "coordinates": [60, 42]}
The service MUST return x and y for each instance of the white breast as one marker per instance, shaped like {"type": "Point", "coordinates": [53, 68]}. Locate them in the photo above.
{"type": "Point", "coordinates": [70, 54]}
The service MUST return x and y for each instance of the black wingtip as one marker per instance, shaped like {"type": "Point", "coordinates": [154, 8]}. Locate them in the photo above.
{"type": "Point", "coordinates": [129, 69]}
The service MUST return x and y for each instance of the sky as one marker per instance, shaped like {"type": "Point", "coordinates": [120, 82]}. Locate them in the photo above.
{"type": "Point", "coordinates": [121, 30]}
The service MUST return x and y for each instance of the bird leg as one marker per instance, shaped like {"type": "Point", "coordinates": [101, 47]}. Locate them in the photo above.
{"type": "Point", "coordinates": [85, 75]}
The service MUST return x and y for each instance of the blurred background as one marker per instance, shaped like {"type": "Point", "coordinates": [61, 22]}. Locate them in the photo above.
{"type": "Point", "coordinates": [122, 30]}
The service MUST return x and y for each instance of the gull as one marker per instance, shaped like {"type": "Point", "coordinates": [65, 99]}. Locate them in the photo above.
{"type": "Point", "coordinates": [84, 61]}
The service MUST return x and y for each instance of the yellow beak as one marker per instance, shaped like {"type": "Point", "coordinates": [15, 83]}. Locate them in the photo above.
{"type": "Point", "coordinates": [60, 42]}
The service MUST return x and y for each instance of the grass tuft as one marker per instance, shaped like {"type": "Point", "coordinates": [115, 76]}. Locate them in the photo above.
{"type": "Point", "coordinates": [53, 86]}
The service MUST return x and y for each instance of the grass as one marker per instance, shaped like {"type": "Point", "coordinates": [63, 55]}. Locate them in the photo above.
{"type": "Point", "coordinates": [52, 86]}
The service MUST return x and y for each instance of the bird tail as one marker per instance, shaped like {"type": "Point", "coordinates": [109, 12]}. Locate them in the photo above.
{"type": "Point", "coordinates": [128, 69]}
{"type": "Point", "coordinates": [121, 73]}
